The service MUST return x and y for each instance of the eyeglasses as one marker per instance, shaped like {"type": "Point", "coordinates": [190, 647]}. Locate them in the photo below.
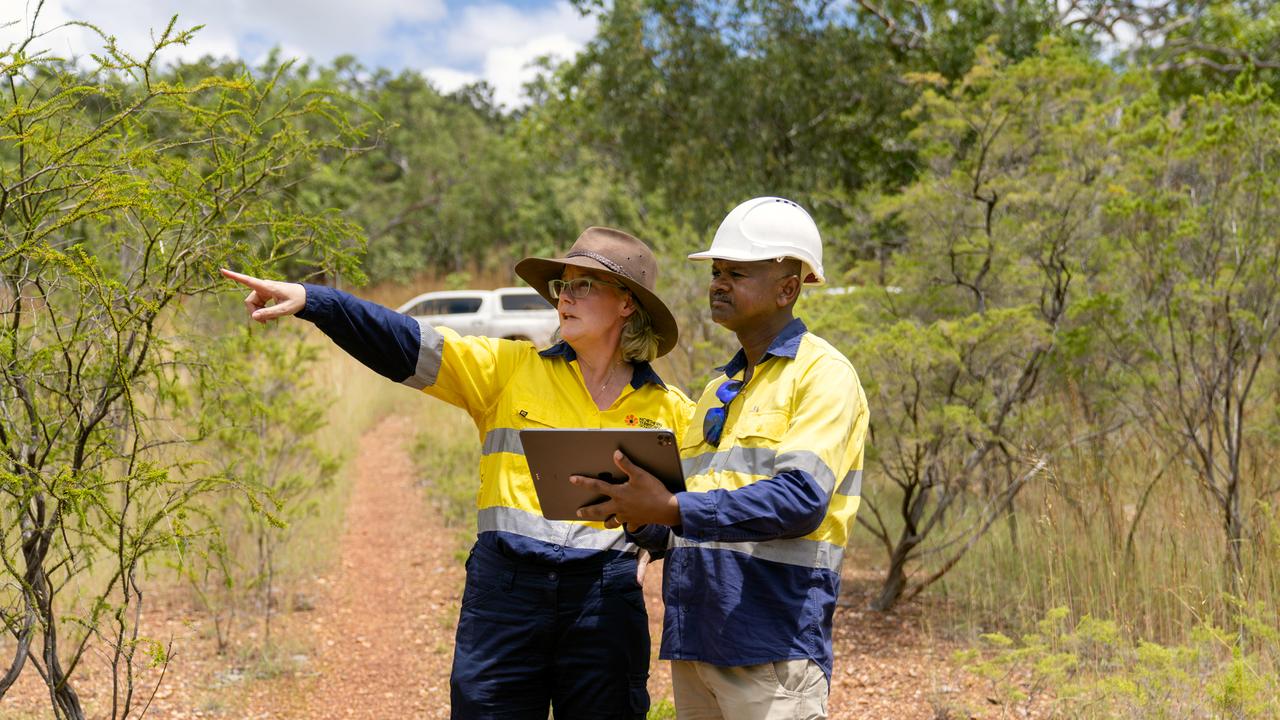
{"type": "Point", "coordinates": [713, 423]}
{"type": "Point", "coordinates": [578, 287]}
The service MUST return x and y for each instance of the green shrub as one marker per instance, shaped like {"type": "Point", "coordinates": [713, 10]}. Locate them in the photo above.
{"type": "Point", "coordinates": [1091, 670]}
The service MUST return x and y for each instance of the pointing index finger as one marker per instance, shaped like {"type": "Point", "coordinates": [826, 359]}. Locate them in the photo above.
{"type": "Point", "coordinates": [248, 281]}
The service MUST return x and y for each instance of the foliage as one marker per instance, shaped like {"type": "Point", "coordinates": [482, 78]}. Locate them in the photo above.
{"type": "Point", "coordinates": [120, 193]}
{"type": "Point", "coordinates": [703, 104]}
{"type": "Point", "coordinates": [1089, 670]}
{"type": "Point", "coordinates": [262, 439]}
{"type": "Point", "coordinates": [662, 710]}
{"type": "Point", "coordinates": [996, 238]}
{"type": "Point", "coordinates": [1194, 48]}
{"type": "Point", "coordinates": [445, 183]}
{"type": "Point", "coordinates": [1194, 210]}
{"type": "Point", "coordinates": [1114, 257]}
{"type": "Point", "coordinates": [445, 454]}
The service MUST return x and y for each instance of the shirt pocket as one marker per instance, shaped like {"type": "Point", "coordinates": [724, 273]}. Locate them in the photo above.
{"type": "Point", "coordinates": [756, 438]}
{"type": "Point", "coordinates": [767, 427]}
{"type": "Point", "coordinates": [526, 412]}
{"type": "Point", "coordinates": [747, 451]}
{"type": "Point", "coordinates": [762, 429]}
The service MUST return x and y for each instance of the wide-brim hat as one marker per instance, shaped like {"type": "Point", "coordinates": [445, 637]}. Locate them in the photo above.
{"type": "Point", "coordinates": [618, 255]}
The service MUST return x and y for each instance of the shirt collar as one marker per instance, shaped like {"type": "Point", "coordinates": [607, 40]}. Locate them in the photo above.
{"type": "Point", "coordinates": [785, 344]}
{"type": "Point", "coordinates": [644, 372]}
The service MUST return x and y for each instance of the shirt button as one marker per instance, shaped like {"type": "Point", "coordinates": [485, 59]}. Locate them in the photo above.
{"type": "Point", "coordinates": [551, 576]}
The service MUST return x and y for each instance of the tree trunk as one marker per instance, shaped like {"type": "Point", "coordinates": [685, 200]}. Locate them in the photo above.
{"type": "Point", "coordinates": [1235, 538]}
{"type": "Point", "coordinates": [38, 596]}
{"type": "Point", "coordinates": [66, 702]}
{"type": "Point", "coordinates": [895, 580]}
{"type": "Point", "coordinates": [65, 699]}
{"type": "Point", "coordinates": [19, 653]}
{"type": "Point", "coordinates": [1235, 551]}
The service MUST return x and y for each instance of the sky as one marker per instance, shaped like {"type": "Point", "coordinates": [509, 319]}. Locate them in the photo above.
{"type": "Point", "coordinates": [452, 42]}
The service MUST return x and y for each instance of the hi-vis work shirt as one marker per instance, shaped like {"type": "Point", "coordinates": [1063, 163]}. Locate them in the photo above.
{"type": "Point", "coordinates": [506, 386]}
{"type": "Point", "coordinates": [753, 571]}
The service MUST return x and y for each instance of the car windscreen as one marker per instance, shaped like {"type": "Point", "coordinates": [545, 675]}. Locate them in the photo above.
{"type": "Point", "coordinates": [460, 306]}
{"type": "Point", "coordinates": [524, 301]}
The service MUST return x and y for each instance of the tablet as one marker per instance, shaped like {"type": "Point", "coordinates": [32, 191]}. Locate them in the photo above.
{"type": "Point", "coordinates": [554, 455]}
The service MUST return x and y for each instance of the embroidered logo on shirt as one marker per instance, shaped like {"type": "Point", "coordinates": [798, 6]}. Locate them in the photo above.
{"type": "Point", "coordinates": [644, 422]}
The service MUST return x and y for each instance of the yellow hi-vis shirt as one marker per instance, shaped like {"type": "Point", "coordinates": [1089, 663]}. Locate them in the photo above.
{"type": "Point", "coordinates": [505, 386]}
{"type": "Point", "coordinates": [753, 571]}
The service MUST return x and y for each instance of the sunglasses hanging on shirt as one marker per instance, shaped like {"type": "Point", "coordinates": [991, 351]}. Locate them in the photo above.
{"type": "Point", "coordinates": [713, 422]}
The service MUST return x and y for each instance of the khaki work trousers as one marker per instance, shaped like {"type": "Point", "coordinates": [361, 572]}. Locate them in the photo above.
{"type": "Point", "coordinates": [782, 690]}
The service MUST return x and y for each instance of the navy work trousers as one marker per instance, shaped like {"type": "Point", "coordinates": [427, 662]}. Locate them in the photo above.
{"type": "Point", "coordinates": [574, 635]}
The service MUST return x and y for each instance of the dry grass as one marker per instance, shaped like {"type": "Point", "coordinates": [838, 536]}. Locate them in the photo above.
{"type": "Point", "coordinates": [1083, 538]}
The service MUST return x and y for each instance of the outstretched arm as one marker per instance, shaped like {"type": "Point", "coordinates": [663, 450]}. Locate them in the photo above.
{"type": "Point", "coordinates": [385, 341]}
{"type": "Point", "coordinates": [466, 372]}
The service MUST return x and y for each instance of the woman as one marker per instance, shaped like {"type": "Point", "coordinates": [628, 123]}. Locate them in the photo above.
{"type": "Point", "coordinates": [552, 611]}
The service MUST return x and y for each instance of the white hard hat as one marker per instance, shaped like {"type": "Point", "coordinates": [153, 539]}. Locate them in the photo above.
{"type": "Point", "coordinates": [769, 228]}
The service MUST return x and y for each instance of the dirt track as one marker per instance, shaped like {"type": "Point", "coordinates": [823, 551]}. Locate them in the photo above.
{"type": "Point", "coordinates": [383, 625]}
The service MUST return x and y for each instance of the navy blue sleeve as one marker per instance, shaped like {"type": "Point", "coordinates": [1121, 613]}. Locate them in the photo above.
{"type": "Point", "coordinates": [384, 340]}
{"type": "Point", "coordinates": [787, 505]}
{"type": "Point", "coordinates": [652, 538]}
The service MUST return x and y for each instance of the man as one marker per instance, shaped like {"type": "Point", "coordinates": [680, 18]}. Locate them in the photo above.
{"type": "Point", "coordinates": [773, 466]}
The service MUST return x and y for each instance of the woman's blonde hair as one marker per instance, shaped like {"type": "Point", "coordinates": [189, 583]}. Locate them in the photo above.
{"type": "Point", "coordinates": [639, 340]}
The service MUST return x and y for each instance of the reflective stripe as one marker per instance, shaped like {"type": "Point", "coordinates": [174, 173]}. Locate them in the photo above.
{"type": "Point", "coordinates": [760, 461]}
{"type": "Point", "coordinates": [791, 551]}
{"type": "Point", "coordinates": [502, 440]}
{"type": "Point", "coordinates": [808, 462]}
{"type": "Point", "coordinates": [430, 355]}
{"type": "Point", "coordinates": [852, 484]}
{"type": "Point", "coordinates": [751, 461]}
{"type": "Point", "coordinates": [567, 534]}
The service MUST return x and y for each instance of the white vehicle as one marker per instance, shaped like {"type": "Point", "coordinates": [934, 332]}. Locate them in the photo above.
{"type": "Point", "coordinates": [514, 313]}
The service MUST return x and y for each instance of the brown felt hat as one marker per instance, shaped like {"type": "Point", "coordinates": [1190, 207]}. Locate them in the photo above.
{"type": "Point", "coordinates": [622, 257]}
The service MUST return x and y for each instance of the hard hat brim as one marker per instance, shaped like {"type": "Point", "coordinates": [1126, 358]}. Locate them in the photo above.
{"type": "Point", "coordinates": [747, 257]}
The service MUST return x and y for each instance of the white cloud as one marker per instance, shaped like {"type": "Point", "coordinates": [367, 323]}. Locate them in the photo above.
{"type": "Point", "coordinates": [508, 68]}
{"type": "Point", "coordinates": [318, 28]}
{"type": "Point", "coordinates": [447, 79]}
{"type": "Point", "coordinates": [326, 28]}
{"type": "Point", "coordinates": [490, 41]}
{"type": "Point", "coordinates": [500, 41]}
{"type": "Point", "coordinates": [494, 26]}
